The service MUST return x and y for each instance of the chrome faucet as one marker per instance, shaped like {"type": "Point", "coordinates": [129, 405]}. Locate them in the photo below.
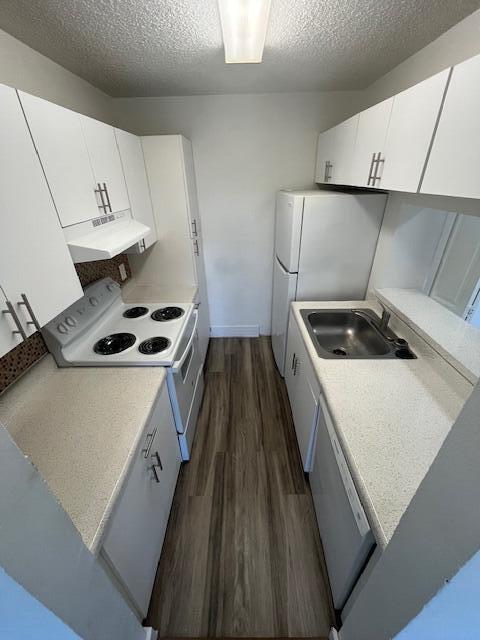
{"type": "Point", "coordinates": [383, 325]}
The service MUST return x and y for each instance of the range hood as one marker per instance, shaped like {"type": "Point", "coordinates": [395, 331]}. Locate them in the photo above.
{"type": "Point", "coordinates": [107, 240]}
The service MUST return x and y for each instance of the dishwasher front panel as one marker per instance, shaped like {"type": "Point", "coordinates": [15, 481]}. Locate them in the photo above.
{"type": "Point", "coordinates": [346, 535]}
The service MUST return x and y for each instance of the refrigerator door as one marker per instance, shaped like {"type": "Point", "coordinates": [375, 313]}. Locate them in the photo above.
{"type": "Point", "coordinates": [339, 237]}
{"type": "Point", "coordinates": [288, 229]}
{"type": "Point", "coordinates": [284, 287]}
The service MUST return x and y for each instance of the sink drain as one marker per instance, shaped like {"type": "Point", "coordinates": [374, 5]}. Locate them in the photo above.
{"type": "Point", "coordinates": [339, 352]}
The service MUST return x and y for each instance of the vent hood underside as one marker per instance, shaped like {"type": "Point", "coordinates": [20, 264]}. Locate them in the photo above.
{"type": "Point", "coordinates": [107, 241]}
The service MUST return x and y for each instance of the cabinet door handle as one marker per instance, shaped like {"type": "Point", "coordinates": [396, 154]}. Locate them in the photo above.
{"type": "Point", "coordinates": [295, 367]}
{"type": "Point", "coordinates": [159, 462]}
{"type": "Point", "coordinates": [16, 319]}
{"type": "Point", "coordinates": [325, 173]}
{"type": "Point", "coordinates": [100, 192]}
{"type": "Point", "coordinates": [150, 439]}
{"type": "Point", "coordinates": [370, 173]}
{"type": "Point", "coordinates": [379, 160]}
{"type": "Point", "coordinates": [107, 197]}
{"type": "Point", "coordinates": [155, 474]}
{"type": "Point", "coordinates": [194, 228]}
{"type": "Point", "coordinates": [293, 362]}
{"type": "Point", "coordinates": [33, 320]}
{"type": "Point", "coordinates": [195, 245]}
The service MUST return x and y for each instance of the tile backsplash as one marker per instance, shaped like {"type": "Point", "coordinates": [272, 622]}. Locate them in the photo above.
{"type": "Point", "coordinates": [27, 353]}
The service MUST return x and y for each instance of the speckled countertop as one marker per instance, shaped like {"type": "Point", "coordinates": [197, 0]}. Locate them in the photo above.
{"type": "Point", "coordinates": [391, 417]}
{"type": "Point", "coordinates": [81, 428]}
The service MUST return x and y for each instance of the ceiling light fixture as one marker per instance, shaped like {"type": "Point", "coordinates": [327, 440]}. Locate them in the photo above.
{"type": "Point", "coordinates": [244, 27]}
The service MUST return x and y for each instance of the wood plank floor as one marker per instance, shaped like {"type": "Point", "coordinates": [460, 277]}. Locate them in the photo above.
{"type": "Point", "coordinates": [242, 554]}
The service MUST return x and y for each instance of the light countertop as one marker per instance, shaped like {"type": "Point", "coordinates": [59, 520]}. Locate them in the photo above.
{"type": "Point", "coordinates": [391, 417]}
{"type": "Point", "coordinates": [81, 427]}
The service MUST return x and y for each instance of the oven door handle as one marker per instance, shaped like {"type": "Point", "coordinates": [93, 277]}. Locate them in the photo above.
{"type": "Point", "coordinates": [178, 363]}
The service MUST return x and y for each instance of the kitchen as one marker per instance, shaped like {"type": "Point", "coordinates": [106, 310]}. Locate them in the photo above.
{"type": "Point", "coordinates": [226, 287]}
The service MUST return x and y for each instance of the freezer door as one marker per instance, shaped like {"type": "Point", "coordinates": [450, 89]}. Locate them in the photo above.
{"type": "Point", "coordinates": [339, 237]}
{"type": "Point", "coordinates": [288, 229]}
{"type": "Point", "coordinates": [284, 287]}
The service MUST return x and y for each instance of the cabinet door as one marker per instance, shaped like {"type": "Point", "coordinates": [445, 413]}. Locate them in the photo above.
{"type": "Point", "coordinates": [203, 324]}
{"type": "Point", "coordinates": [325, 147]}
{"type": "Point", "coordinates": [412, 122]}
{"type": "Point", "coordinates": [105, 159]}
{"type": "Point", "coordinates": [58, 137]}
{"type": "Point", "coordinates": [303, 393]}
{"type": "Point", "coordinates": [370, 140]}
{"type": "Point", "coordinates": [34, 257]}
{"type": "Point", "coordinates": [191, 188]}
{"type": "Point", "coordinates": [9, 335]}
{"type": "Point", "coordinates": [344, 136]}
{"type": "Point", "coordinates": [134, 541]}
{"type": "Point", "coordinates": [131, 156]}
{"type": "Point", "coordinates": [452, 167]}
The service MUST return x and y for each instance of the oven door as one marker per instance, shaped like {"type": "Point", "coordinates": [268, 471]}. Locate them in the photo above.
{"type": "Point", "coordinates": [183, 376]}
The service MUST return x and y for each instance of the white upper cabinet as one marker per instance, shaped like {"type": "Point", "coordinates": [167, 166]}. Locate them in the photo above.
{"type": "Point", "coordinates": [131, 155]}
{"type": "Point", "coordinates": [412, 123]}
{"type": "Point", "coordinates": [334, 154]}
{"type": "Point", "coordinates": [344, 136]}
{"type": "Point", "coordinates": [370, 144]}
{"type": "Point", "coordinates": [34, 258]}
{"type": "Point", "coordinates": [453, 165]}
{"type": "Point", "coordinates": [59, 139]}
{"type": "Point", "coordinates": [106, 165]}
{"type": "Point", "coordinates": [325, 150]}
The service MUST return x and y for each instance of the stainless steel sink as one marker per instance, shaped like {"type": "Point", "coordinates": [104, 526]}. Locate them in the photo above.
{"type": "Point", "coordinates": [352, 333]}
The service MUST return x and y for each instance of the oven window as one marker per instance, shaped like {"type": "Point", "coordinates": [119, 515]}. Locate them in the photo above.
{"type": "Point", "coordinates": [186, 364]}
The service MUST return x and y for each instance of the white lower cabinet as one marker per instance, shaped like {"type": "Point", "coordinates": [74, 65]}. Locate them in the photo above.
{"type": "Point", "coordinates": [303, 392]}
{"type": "Point", "coordinates": [134, 540]}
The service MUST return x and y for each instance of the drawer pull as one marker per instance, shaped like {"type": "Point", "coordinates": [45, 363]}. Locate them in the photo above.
{"type": "Point", "coordinates": [150, 439]}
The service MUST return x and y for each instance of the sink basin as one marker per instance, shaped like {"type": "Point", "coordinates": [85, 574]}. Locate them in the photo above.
{"type": "Point", "coordinates": [352, 333]}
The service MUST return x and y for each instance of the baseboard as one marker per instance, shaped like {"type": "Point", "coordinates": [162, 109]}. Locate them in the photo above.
{"type": "Point", "coordinates": [150, 634]}
{"type": "Point", "coordinates": [333, 635]}
{"type": "Point", "coordinates": [236, 331]}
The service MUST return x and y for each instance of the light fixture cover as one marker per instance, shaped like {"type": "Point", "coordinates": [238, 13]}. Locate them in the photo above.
{"type": "Point", "coordinates": [244, 27]}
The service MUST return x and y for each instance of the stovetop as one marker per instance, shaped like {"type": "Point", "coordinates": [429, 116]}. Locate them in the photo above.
{"type": "Point", "coordinates": [101, 330]}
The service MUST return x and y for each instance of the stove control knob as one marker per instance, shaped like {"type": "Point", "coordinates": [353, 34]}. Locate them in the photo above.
{"type": "Point", "coordinates": [93, 301]}
{"type": "Point", "coordinates": [112, 287]}
{"type": "Point", "coordinates": [62, 328]}
{"type": "Point", "coordinates": [70, 321]}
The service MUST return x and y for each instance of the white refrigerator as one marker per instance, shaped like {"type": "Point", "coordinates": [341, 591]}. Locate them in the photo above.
{"type": "Point", "coordinates": [324, 247]}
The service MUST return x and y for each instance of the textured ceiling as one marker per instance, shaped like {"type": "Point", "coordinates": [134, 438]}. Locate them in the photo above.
{"type": "Point", "coordinates": [174, 47]}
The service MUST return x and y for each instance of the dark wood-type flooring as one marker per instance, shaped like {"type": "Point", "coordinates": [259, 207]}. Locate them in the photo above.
{"type": "Point", "coordinates": [242, 554]}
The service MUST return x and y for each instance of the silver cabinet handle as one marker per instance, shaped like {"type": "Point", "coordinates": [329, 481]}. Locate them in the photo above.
{"type": "Point", "coordinates": [327, 176]}
{"type": "Point", "coordinates": [33, 320]}
{"type": "Point", "coordinates": [100, 192]}
{"type": "Point", "coordinates": [293, 361]}
{"type": "Point", "coordinates": [159, 462]}
{"type": "Point", "coordinates": [295, 367]}
{"type": "Point", "coordinates": [150, 439]}
{"type": "Point", "coordinates": [155, 474]}
{"type": "Point", "coordinates": [379, 160]}
{"type": "Point", "coordinates": [370, 173]}
{"type": "Point", "coordinates": [195, 245]}
{"type": "Point", "coordinates": [107, 197]}
{"type": "Point", "coordinates": [16, 319]}
{"type": "Point", "coordinates": [194, 228]}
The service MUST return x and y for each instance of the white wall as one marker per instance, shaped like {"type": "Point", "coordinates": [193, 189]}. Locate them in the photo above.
{"type": "Point", "coordinates": [42, 551]}
{"type": "Point", "coordinates": [437, 535]}
{"type": "Point", "coordinates": [246, 147]}
{"type": "Point", "coordinates": [460, 42]}
{"type": "Point", "coordinates": [23, 68]}
{"type": "Point", "coordinates": [453, 614]}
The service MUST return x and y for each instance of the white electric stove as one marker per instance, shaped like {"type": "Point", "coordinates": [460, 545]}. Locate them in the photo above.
{"type": "Point", "coordinates": [101, 330]}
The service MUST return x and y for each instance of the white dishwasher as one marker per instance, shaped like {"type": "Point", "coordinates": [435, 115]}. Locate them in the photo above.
{"type": "Point", "coordinates": [346, 535]}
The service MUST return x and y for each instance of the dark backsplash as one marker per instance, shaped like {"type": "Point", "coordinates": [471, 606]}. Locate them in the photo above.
{"type": "Point", "coordinates": [27, 353]}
